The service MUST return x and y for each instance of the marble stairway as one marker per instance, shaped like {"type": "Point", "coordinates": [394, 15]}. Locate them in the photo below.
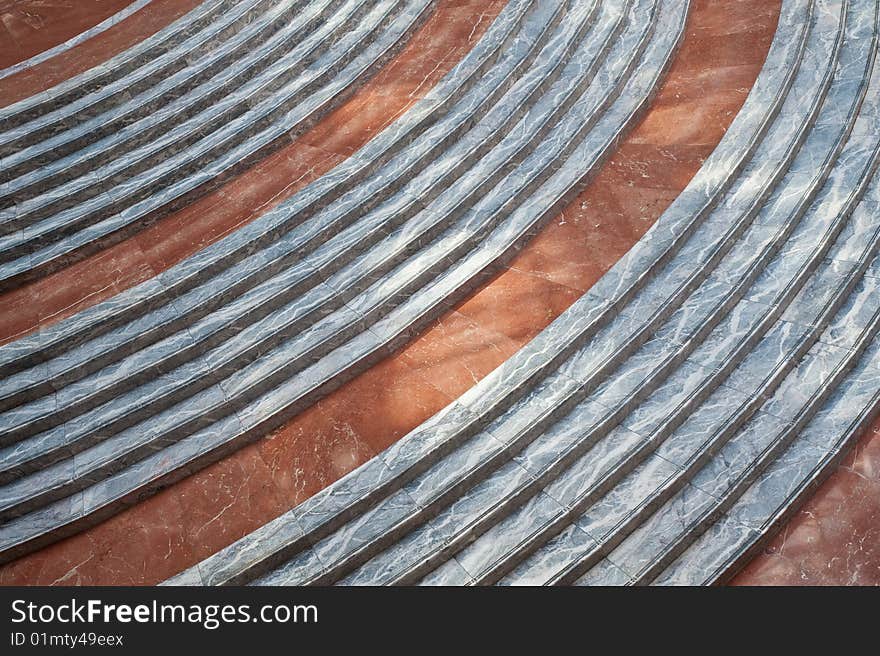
{"type": "Point", "coordinates": [657, 432]}
{"type": "Point", "coordinates": [233, 341]}
{"type": "Point", "coordinates": [102, 166]}
{"type": "Point", "coordinates": [659, 429]}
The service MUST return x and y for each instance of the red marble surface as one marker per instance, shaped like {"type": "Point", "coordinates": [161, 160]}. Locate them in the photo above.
{"type": "Point", "coordinates": [719, 61]}
{"type": "Point", "coordinates": [834, 539]}
{"type": "Point", "coordinates": [28, 27]}
{"type": "Point", "coordinates": [431, 53]}
{"type": "Point", "coordinates": [236, 495]}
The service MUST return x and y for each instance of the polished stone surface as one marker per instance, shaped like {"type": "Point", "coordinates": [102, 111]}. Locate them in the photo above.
{"type": "Point", "coordinates": [433, 51]}
{"type": "Point", "coordinates": [34, 26]}
{"type": "Point", "coordinates": [475, 324]}
{"type": "Point", "coordinates": [768, 235]}
{"type": "Point", "coordinates": [74, 60]}
{"type": "Point", "coordinates": [611, 454]}
{"type": "Point", "coordinates": [455, 28]}
{"type": "Point", "coordinates": [834, 539]}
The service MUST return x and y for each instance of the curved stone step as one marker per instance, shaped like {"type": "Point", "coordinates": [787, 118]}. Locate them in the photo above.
{"type": "Point", "coordinates": [585, 535]}
{"type": "Point", "coordinates": [836, 388]}
{"type": "Point", "coordinates": [34, 169]}
{"type": "Point", "coordinates": [731, 426]}
{"type": "Point", "coordinates": [130, 204]}
{"type": "Point", "coordinates": [754, 482]}
{"type": "Point", "coordinates": [137, 67]}
{"type": "Point", "coordinates": [76, 39]}
{"type": "Point", "coordinates": [266, 409]}
{"type": "Point", "coordinates": [719, 406]}
{"type": "Point", "coordinates": [307, 524]}
{"type": "Point", "coordinates": [233, 252]}
{"type": "Point", "coordinates": [784, 484]}
{"type": "Point", "coordinates": [192, 128]}
{"type": "Point", "coordinates": [289, 285]}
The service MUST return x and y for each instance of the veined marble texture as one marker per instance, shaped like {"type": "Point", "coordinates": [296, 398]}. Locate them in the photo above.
{"type": "Point", "coordinates": [658, 431]}
{"type": "Point", "coordinates": [137, 58]}
{"type": "Point", "coordinates": [243, 383]}
{"type": "Point", "coordinates": [115, 18]}
{"type": "Point", "coordinates": [46, 243]}
{"type": "Point", "coordinates": [149, 114]}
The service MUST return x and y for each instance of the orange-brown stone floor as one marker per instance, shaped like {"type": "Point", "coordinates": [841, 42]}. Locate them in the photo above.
{"type": "Point", "coordinates": [29, 27]}
{"type": "Point", "coordinates": [156, 539]}
{"type": "Point", "coordinates": [441, 43]}
{"type": "Point", "coordinates": [725, 45]}
{"type": "Point", "coordinates": [834, 539]}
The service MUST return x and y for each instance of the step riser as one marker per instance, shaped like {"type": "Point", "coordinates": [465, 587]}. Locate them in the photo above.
{"type": "Point", "coordinates": [633, 459]}
{"type": "Point", "coordinates": [293, 292]}
{"type": "Point", "coordinates": [120, 66]}
{"type": "Point", "coordinates": [632, 116]}
{"type": "Point", "coordinates": [333, 573]}
{"type": "Point", "coordinates": [162, 205]}
{"type": "Point", "coordinates": [35, 185]}
{"type": "Point", "coordinates": [92, 329]}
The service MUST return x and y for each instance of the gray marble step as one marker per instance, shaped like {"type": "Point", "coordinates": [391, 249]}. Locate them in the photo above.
{"type": "Point", "coordinates": [133, 69]}
{"type": "Point", "coordinates": [287, 319]}
{"type": "Point", "coordinates": [416, 138]}
{"type": "Point", "coordinates": [131, 203]}
{"type": "Point", "coordinates": [192, 127]}
{"type": "Point", "coordinates": [733, 426]}
{"type": "Point", "coordinates": [651, 485]}
{"type": "Point", "coordinates": [648, 486]}
{"type": "Point", "coordinates": [764, 478]}
{"type": "Point", "coordinates": [756, 398]}
{"type": "Point", "coordinates": [109, 22]}
{"type": "Point", "coordinates": [364, 512]}
{"type": "Point", "coordinates": [800, 465]}
{"type": "Point", "coordinates": [35, 169]}
{"type": "Point", "coordinates": [266, 409]}
{"type": "Point", "coordinates": [214, 365]}
{"type": "Point", "coordinates": [835, 384]}
{"type": "Point", "coordinates": [218, 362]}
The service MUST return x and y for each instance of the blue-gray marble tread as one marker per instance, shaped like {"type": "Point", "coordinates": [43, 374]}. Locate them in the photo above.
{"type": "Point", "coordinates": [238, 256]}
{"type": "Point", "coordinates": [43, 164]}
{"type": "Point", "coordinates": [127, 202]}
{"type": "Point", "coordinates": [600, 88]}
{"type": "Point", "coordinates": [232, 316]}
{"type": "Point", "coordinates": [663, 426]}
{"type": "Point", "coordinates": [73, 41]}
{"type": "Point", "coordinates": [52, 180]}
{"type": "Point", "coordinates": [419, 126]}
{"type": "Point", "coordinates": [134, 64]}
{"type": "Point", "coordinates": [271, 293]}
